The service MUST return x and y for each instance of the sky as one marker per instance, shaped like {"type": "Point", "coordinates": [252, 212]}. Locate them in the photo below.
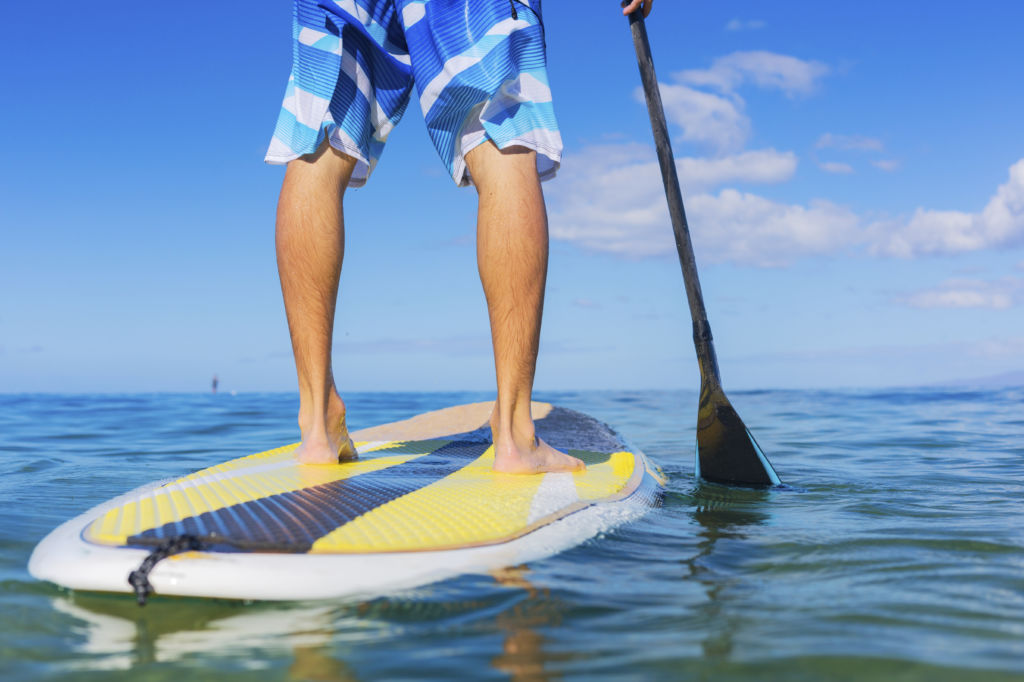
{"type": "Point", "coordinates": [853, 175]}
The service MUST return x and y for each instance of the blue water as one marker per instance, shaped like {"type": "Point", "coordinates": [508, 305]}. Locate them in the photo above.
{"type": "Point", "coordinates": [895, 552]}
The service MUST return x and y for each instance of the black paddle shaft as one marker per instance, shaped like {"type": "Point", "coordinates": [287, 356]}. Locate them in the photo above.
{"type": "Point", "coordinates": [726, 450]}
{"type": "Point", "coordinates": [702, 339]}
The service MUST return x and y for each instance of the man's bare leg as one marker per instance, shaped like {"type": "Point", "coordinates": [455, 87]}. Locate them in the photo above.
{"type": "Point", "coordinates": [310, 247]}
{"type": "Point", "coordinates": [512, 255]}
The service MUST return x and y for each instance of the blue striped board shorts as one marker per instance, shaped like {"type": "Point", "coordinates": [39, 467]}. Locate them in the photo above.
{"type": "Point", "coordinates": [479, 68]}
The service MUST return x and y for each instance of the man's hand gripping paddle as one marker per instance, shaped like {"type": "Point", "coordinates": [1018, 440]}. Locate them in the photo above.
{"type": "Point", "coordinates": [726, 450]}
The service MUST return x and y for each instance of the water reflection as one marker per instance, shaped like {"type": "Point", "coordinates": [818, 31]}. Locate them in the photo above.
{"type": "Point", "coordinates": [321, 640]}
{"type": "Point", "coordinates": [316, 663]}
{"type": "Point", "coordinates": [116, 634]}
{"type": "Point", "coordinates": [725, 515]}
{"type": "Point", "coordinates": [523, 656]}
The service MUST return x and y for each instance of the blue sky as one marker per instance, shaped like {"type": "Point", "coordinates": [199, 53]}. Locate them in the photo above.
{"type": "Point", "coordinates": [854, 178]}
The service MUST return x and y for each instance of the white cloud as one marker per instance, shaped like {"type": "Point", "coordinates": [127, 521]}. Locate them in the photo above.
{"type": "Point", "coordinates": [959, 298]}
{"type": "Point", "coordinates": [1000, 223]}
{"type": "Point", "coordinates": [611, 199]}
{"type": "Point", "coordinates": [748, 25]}
{"type": "Point", "coordinates": [849, 142]}
{"type": "Point", "coordinates": [605, 169]}
{"type": "Point", "coordinates": [1003, 347]}
{"type": "Point", "coordinates": [968, 293]}
{"type": "Point", "coordinates": [705, 118]}
{"type": "Point", "coordinates": [765, 166]}
{"type": "Point", "coordinates": [747, 228]}
{"type": "Point", "coordinates": [791, 75]}
{"type": "Point", "coordinates": [888, 165]}
{"type": "Point", "coordinates": [836, 167]}
{"type": "Point", "coordinates": [718, 119]}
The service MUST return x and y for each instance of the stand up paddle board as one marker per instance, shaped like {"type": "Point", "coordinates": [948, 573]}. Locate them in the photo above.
{"type": "Point", "coordinates": [422, 503]}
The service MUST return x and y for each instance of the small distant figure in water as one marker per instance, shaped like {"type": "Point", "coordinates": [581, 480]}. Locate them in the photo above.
{"type": "Point", "coordinates": [215, 382]}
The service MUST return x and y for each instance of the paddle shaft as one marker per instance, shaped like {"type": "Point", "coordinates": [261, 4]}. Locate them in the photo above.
{"type": "Point", "coordinates": [702, 339]}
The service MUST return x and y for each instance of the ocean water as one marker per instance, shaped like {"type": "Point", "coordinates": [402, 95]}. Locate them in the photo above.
{"type": "Point", "coordinates": [895, 551]}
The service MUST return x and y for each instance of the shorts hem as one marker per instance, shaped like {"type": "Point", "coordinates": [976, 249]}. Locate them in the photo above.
{"type": "Point", "coordinates": [360, 174]}
{"type": "Point", "coordinates": [552, 154]}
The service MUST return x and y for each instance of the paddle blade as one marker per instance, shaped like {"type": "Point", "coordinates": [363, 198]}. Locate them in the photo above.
{"type": "Point", "coordinates": [726, 450]}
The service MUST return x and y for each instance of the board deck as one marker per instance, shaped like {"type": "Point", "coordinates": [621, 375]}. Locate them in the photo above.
{"type": "Point", "coordinates": [421, 503]}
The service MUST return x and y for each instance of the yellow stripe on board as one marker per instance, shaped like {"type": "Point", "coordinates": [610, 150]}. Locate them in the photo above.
{"type": "Point", "coordinates": [239, 480]}
{"type": "Point", "coordinates": [472, 504]}
{"type": "Point", "coordinates": [475, 505]}
{"type": "Point", "coordinates": [607, 478]}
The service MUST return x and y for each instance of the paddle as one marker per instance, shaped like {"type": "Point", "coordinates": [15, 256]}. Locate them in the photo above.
{"type": "Point", "coordinates": [726, 450]}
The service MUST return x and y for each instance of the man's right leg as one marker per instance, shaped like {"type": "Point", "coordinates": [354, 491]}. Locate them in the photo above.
{"type": "Point", "coordinates": [310, 248]}
{"type": "Point", "coordinates": [512, 255]}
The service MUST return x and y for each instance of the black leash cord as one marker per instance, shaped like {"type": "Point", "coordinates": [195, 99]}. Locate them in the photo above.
{"type": "Point", "coordinates": [139, 578]}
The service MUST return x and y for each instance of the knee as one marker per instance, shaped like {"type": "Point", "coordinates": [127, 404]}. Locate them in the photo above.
{"type": "Point", "coordinates": [326, 170]}
{"type": "Point", "coordinates": [490, 166]}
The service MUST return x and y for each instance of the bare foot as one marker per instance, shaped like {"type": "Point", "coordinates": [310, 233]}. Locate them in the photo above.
{"type": "Point", "coordinates": [528, 454]}
{"type": "Point", "coordinates": [326, 452]}
{"type": "Point", "coordinates": [325, 440]}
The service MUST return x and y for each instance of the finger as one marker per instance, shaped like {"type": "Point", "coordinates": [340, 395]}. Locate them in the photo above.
{"type": "Point", "coordinates": [632, 6]}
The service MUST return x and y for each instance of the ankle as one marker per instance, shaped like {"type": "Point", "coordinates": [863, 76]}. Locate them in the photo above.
{"type": "Point", "coordinates": [315, 422]}
{"type": "Point", "coordinates": [518, 432]}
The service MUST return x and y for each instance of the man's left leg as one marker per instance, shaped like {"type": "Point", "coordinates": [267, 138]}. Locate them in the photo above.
{"type": "Point", "coordinates": [512, 255]}
{"type": "Point", "coordinates": [310, 247]}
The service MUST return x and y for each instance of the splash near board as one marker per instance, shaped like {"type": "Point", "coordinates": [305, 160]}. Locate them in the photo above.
{"type": "Point", "coordinates": [422, 503]}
